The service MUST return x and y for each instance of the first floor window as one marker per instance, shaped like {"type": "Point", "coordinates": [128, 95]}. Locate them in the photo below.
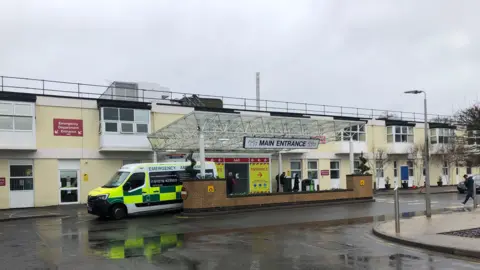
{"type": "Point", "coordinates": [296, 168]}
{"type": "Point", "coordinates": [399, 134]}
{"type": "Point", "coordinates": [125, 120]}
{"type": "Point", "coordinates": [312, 169]}
{"type": "Point", "coordinates": [335, 169]}
{"type": "Point", "coordinates": [16, 116]}
{"type": "Point", "coordinates": [21, 177]}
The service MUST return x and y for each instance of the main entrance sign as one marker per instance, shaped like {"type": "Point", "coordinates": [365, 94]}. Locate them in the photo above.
{"type": "Point", "coordinates": [279, 143]}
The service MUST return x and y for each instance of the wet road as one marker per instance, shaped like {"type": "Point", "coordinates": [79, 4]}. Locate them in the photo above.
{"type": "Point", "coordinates": [259, 240]}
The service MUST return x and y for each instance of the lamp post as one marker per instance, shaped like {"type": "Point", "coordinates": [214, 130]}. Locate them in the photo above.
{"type": "Point", "coordinates": [426, 162]}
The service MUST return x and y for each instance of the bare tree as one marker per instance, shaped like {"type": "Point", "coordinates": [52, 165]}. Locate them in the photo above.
{"type": "Point", "coordinates": [380, 159]}
{"type": "Point", "coordinates": [470, 119]}
{"type": "Point", "coordinates": [416, 155]}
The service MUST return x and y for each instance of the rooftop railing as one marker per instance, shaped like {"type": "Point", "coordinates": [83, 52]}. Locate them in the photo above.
{"type": "Point", "coordinates": [82, 90]}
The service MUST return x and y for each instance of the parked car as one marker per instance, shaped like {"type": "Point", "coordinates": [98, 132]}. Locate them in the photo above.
{"type": "Point", "coordinates": [462, 188]}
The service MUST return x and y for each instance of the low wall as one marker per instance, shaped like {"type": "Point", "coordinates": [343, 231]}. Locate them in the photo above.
{"type": "Point", "coordinates": [210, 195]}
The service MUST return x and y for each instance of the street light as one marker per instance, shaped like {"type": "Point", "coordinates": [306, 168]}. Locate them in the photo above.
{"type": "Point", "coordinates": [428, 206]}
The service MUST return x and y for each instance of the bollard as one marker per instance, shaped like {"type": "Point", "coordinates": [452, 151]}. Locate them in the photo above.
{"type": "Point", "coordinates": [397, 210]}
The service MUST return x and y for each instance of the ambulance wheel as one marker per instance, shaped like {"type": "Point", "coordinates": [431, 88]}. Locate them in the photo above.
{"type": "Point", "coordinates": [118, 211]}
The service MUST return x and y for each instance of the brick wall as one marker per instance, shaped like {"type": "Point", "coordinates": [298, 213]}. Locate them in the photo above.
{"type": "Point", "coordinates": [199, 196]}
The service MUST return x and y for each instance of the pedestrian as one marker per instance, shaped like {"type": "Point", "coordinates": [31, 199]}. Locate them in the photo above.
{"type": "Point", "coordinates": [296, 183]}
{"type": "Point", "coordinates": [230, 183]}
{"type": "Point", "coordinates": [236, 180]}
{"type": "Point", "coordinates": [277, 178]}
{"type": "Point", "coordinates": [282, 181]}
{"type": "Point", "coordinates": [470, 185]}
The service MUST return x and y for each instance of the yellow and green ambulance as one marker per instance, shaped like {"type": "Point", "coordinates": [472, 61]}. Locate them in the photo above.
{"type": "Point", "coordinates": [143, 187]}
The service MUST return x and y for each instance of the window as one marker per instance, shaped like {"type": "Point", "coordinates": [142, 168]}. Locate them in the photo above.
{"type": "Point", "coordinates": [442, 135]}
{"type": "Point", "coordinates": [445, 168]}
{"type": "Point", "coordinates": [312, 169]}
{"type": "Point", "coordinates": [356, 164]}
{"type": "Point", "coordinates": [296, 168]}
{"type": "Point", "coordinates": [399, 134]}
{"type": "Point", "coordinates": [335, 169]}
{"type": "Point", "coordinates": [136, 180]}
{"type": "Point", "coordinates": [395, 169]}
{"type": "Point", "coordinates": [379, 168]}
{"type": "Point", "coordinates": [473, 137]}
{"type": "Point", "coordinates": [357, 133]}
{"type": "Point", "coordinates": [469, 167]}
{"type": "Point", "coordinates": [410, 168]}
{"type": "Point", "coordinates": [21, 177]}
{"type": "Point", "coordinates": [124, 120]}
{"type": "Point", "coordinates": [16, 116]}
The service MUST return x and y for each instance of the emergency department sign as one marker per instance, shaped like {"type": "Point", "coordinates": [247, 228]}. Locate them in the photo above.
{"type": "Point", "coordinates": [279, 143]}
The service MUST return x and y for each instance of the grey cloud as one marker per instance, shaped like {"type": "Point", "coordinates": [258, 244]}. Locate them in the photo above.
{"type": "Point", "coordinates": [351, 53]}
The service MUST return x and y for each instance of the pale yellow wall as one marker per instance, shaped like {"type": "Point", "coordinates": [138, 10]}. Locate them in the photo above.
{"type": "Point", "coordinates": [99, 172]}
{"type": "Point", "coordinates": [5, 190]}
{"type": "Point", "coordinates": [46, 182]}
{"type": "Point", "coordinates": [325, 183]}
{"type": "Point", "coordinates": [419, 136]}
{"type": "Point", "coordinates": [160, 120]}
{"type": "Point", "coordinates": [376, 137]}
{"type": "Point", "coordinates": [44, 132]}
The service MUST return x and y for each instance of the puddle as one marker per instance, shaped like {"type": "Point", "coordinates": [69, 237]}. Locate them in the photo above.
{"type": "Point", "coordinates": [136, 247]}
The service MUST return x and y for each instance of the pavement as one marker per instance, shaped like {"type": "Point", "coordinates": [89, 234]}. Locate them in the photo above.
{"type": "Point", "coordinates": [327, 237]}
{"type": "Point", "coordinates": [455, 233]}
{"type": "Point", "coordinates": [434, 190]}
{"type": "Point", "coordinates": [42, 212]}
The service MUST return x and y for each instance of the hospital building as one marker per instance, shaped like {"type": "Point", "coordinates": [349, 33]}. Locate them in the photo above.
{"type": "Point", "coordinates": [59, 140]}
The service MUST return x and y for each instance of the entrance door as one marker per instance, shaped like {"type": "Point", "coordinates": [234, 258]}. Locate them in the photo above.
{"type": "Point", "coordinates": [335, 174]}
{"type": "Point", "coordinates": [21, 184]}
{"type": "Point", "coordinates": [242, 169]}
{"type": "Point", "coordinates": [69, 186]}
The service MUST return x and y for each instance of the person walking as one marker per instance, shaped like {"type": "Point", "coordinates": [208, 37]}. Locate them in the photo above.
{"type": "Point", "coordinates": [278, 182]}
{"type": "Point", "coordinates": [230, 183]}
{"type": "Point", "coordinates": [282, 181]}
{"type": "Point", "coordinates": [296, 183]}
{"type": "Point", "coordinates": [470, 185]}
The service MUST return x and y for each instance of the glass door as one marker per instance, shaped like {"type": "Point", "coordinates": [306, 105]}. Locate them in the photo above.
{"type": "Point", "coordinates": [68, 186]}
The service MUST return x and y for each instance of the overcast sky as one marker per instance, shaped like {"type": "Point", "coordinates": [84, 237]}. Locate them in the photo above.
{"type": "Point", "coordinates": [355, 53]}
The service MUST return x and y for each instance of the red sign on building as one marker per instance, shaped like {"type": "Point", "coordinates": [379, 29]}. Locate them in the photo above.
{"type": "Point", "coordinates": [2, 182]}
{"type": "Point", "coordinates": [237, 160]}
{"type": "Point", "coordinates": [68, 127]}
{"type": "Point", "coordinates": [324, 172]}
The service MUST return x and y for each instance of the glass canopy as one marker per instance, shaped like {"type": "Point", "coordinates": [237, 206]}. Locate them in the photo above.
{"type": "Point", "coordinates": [224, 131]}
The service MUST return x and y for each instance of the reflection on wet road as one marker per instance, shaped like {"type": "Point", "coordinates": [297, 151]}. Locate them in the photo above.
{"type": "Point", "coordinates": [141, 243]}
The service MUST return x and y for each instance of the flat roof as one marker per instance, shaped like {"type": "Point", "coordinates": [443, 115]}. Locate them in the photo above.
{"type": "Point", "coordinates": [224, 130]}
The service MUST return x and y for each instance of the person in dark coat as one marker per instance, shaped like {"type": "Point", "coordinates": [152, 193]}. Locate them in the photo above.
{"type": "Point", "coordinates": [282, 181]}
{"type": "Point", "coordinates": [296, 183]}
{"type": "Point", "coordinates": [470, 185]}
{"type": "Point", "coordinates": [277, 178]}
{"type": "Point", "coordinates": [229, 183]}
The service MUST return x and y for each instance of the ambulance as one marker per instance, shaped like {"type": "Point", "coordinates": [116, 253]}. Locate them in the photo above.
{"type": "Point", "coordinates": [143, 187]}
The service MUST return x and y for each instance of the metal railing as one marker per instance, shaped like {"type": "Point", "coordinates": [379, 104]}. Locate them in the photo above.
{"type": "Point", "coordinates": [82, 90]}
